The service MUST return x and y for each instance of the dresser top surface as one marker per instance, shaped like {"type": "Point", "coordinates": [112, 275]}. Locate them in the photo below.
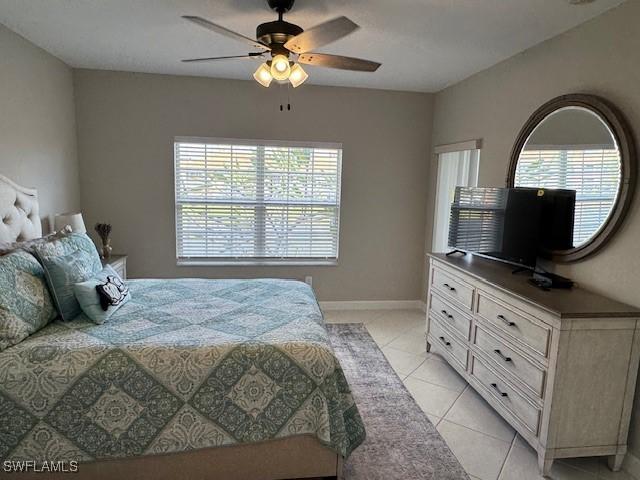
{"type": "Point", "coordinates": [565, 303]}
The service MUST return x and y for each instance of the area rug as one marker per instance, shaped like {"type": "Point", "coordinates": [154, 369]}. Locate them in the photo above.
{"type": "Point", "coordinates": [401, 442]}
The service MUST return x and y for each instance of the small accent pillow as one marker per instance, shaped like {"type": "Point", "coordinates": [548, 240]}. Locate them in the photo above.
{"type": "Point", "coordinates": [102, 295]}
{"type": "Point", "coordinates": [64, 244]}
{"type": "Point", "coordinates": [68, 261]}
{"type": "Point", "coordinates": [25, 303]}
{"type": "Point", "coordinates": [30, 245]}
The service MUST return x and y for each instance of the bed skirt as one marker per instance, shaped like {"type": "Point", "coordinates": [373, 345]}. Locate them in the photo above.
{"type": "Point", "coordinates": [288, 458]}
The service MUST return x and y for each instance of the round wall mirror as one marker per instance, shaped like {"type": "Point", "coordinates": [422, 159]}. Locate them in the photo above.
{"type": "Point", "coordinates": [579, 143]}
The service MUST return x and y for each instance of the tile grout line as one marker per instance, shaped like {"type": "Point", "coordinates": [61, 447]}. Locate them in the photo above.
{"type": "Point", "coordinates": [438, 385]}
{"type": "Point", "coordinates": [397, 336]}
{"type": "Point", "coordinates": [422, 359]}
{"type": "Point", "coordinates": [388, 345]}
{"type": "Point", "coordinates": [413, 371]}
{"type": "Point", "coordinates": [479, 431]}
{"type": "Point", "coordinates": [440, 421]}
{"type": "Point", "coordinates": [452, 404]}
{"type": "Point", "coordinates": [380, 345]}
{"type": "Point", "coordinates": [399, 331]}
{"type": "Point", "coordinates": [511, 447]}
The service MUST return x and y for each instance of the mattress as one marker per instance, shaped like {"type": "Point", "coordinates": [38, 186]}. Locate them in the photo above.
{"type": "Point", "coordinates": [185, 364]}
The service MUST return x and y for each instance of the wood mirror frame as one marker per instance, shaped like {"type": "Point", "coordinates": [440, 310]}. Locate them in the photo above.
{"type": "Point", "coordinates": [621, 131]}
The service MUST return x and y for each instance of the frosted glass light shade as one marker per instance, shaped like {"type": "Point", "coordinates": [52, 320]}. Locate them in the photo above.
{"type": "Point", "coordinates": [74, 220]}
{"type": "Point", "coordinates": [263, 75]}
{"type": "Point", "coordinates": [280, 68]}
{"type": "Point", "coordinates": [298, 76]}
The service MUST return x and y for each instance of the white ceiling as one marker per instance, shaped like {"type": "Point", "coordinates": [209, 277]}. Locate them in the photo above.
{"type": "Point", "coordinates": [424, 45]}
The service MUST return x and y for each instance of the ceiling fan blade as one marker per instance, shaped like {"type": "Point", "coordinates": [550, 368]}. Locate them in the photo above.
{"type": "Point", "coordinates": [337, 61]}
{"type": "Point", "coordinates": [231, 57]}
{"type": "Point", "coordinates": [225, 31]}
{"type": "Point", "coordinates": [321, 35]}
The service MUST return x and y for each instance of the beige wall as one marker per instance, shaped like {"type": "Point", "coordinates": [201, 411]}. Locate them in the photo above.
{"type": "Point", "coordinates": [599, 57]}
{"type": "Point", "coordinates": [126, 126]}
{"type": "Point", "coordinates": [37, 123]}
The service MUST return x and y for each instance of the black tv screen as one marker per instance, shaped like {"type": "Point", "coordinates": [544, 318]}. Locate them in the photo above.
{"type": "Point", "coordinates": [557, 220]}
{"type": "Point", "coordinates": [515, 225]}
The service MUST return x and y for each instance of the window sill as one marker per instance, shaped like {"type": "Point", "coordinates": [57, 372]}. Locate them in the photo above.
{"type": "Point", "coordinates": [257, 263]}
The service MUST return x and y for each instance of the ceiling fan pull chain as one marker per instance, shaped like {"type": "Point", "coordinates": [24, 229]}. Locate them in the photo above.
{"type": "Point", "coordinates": [288, 97]}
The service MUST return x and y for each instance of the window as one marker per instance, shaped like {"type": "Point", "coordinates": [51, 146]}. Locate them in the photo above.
{"type": "Point", "coordinates": [594, 174]}
{"type": "Point", "coordinates": [257, 202]}
{"type": "Point", "coordinates": [456, 168]}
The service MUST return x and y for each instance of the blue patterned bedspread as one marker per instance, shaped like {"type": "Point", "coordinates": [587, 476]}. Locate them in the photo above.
{"type": "Point", "coordinates": [186, 364]}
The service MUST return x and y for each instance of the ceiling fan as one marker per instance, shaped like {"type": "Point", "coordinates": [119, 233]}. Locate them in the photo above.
{"type": "Point", "coordinates": [289, 46]}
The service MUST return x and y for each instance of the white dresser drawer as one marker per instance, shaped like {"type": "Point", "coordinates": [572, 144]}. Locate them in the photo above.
{"type": "Point", "coordinates": [514, 324]}
{"type": "Point", "coordinates": [509, 359]}
{"type": "Point", "coordinates": [453, 288]}
{"type": "Point", "coordinates": [443, 341]}
{"type": "Point", "coordinates": [507, 396]}
{"type": "Point", "coordinates": [458, 321]}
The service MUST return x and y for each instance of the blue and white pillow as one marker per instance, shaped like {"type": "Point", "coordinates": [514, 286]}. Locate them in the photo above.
{"type": "Point", "coordinates": [25, 303]}
{"type": "Point", "coordinates": [68, 261]}
{"type": "Point", "coordinates": [96, 308]}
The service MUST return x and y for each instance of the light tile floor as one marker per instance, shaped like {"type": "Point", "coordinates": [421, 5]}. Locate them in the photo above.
{"type": "Point", "coordinates": [486, 446]}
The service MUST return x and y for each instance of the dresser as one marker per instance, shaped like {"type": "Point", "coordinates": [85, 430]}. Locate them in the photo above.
{"type": "Point", "coordinates": [560, 366]}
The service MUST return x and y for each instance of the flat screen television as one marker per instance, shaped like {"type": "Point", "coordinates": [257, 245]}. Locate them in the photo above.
{"type": "Point", "coordinates": [514, 225]}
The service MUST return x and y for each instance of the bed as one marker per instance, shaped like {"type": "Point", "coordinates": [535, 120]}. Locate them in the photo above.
{"type": "Point", "coordinates": [192, 378]}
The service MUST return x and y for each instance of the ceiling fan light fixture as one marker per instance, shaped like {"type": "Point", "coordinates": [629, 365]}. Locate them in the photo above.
{"type": "Point", "coordinates": [298, 75]}
{"type": "Point", "coordinates": [283, 40]}
{"type": "Point", "coordinates": [280, 67]}
{"type": "Point", "coordinates": [263, 75]}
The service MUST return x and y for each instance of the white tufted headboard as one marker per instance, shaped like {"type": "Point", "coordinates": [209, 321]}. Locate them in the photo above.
{"type": "Point", "coordinates": [19, 212]}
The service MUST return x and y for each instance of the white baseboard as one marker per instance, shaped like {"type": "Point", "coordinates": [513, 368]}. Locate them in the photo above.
{"type": "Point", "coordinates": [373, 305]}
{"type": "Point", "coordinates": [631, 465]}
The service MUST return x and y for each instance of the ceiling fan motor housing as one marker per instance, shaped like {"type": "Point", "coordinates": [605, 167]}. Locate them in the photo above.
{"type": "Point", "coordinates": [281, 6]}
{"type": "Point", "coordinates": [278, 32]}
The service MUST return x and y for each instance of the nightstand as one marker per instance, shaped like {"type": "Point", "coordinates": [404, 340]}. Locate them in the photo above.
{"type": "Point", "coordinates": [118, 263]}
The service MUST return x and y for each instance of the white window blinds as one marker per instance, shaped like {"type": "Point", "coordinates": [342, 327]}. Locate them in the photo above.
{"type": "Point", "coordinates": [593, 173]}
{"type": "Point", "coordinates": [257, 201]}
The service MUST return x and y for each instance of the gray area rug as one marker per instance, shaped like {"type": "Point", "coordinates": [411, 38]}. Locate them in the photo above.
{"type": "Point", "coordinates": [401, 441]}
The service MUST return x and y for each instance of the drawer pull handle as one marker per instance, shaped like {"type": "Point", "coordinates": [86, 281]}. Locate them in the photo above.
{"type": "Point", "coordinates": [443, 340]}
{"type": "Point", "coordinates": [447, 314]}
{"type": "Point", "coordinates": [505, 321]}
{"type": "Point", "coordinates": [451, 289]}
{"type": "Point", "coordinates": [495, 387]}
{"type": "Point", "coordinates": [501, 355]}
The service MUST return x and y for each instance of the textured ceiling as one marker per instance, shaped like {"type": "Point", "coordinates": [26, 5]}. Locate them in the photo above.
{"type": "Point", "coordinates": [424, 45]}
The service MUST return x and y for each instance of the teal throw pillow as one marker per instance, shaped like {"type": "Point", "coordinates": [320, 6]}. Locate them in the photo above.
{"type": "Point", "coordinates": [25, 303]}
{"type": "Point", "coordinates": [68, 261]}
